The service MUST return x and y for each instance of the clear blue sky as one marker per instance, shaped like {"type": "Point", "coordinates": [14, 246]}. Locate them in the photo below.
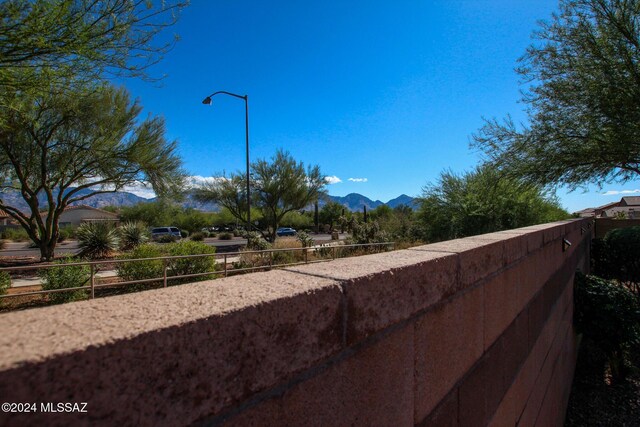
{"type": "Point", "coordinates": [387, 91]}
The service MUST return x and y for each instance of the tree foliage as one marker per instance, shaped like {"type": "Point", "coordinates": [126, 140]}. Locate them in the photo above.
{"type": "Point", "coordinates": [583, 99]}
{"type": "Point", "coordinates": [69, 147]}
{"type": "Point", "coordinates": [44, 43]}
{"type": "Point", "coordinates": [481, 201]}
{"type": "Point", "coordinates": [278, 186]}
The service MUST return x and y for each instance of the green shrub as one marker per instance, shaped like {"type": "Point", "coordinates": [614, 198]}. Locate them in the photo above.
{"type": "Point", "coordinates": [167, 238]}
{"type": "Point", "coordinates": [198, 236]}
{"type": "Point", "coordinates": [183, 266]}
{"type": "Point", "coordinates": [184, 234]}
{"type": "Point", "coordinates": [132, 234]}
{"type": "Point", "coordinates": [609, 315]}
{"type": "Point", "coordinates": [621, 260]}
{"type": "Point", "coordinates": [5, 284]}
{"type": "Point", "coordinates": [63, 277]}
{"type": "Point", "coordinates": [255, 241]}
{"type": "Point", "coordinates": [97, 240]}
{"type": "Point", "coordinates": [67, 232]}
{"type": "Point", "coordinates": [3, 244]}
{"type": "Point", "coordinates": [225, 236]}
{"type": "Point", "coordinates": [139, 270]}
{"type": "Point", "coordinates": [15, 234]}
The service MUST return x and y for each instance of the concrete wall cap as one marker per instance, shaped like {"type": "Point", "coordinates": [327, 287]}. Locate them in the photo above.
{"type": "Point", "coordinates": [43, 333]}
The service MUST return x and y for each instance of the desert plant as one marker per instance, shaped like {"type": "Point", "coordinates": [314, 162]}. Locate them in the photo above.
{"type": "Point", "coordinates": [63, 277]}
{"type": "Point", "coordinates": [198, 236]}
{"type": "Point", "coordinates": [608, 314]}
{"type": "Point", "coordinates": [97, 240]}
{"type": "Point", "coordinates": [184, 234]}
{"type": "Point", "coordinates": [132, 234]}
{"type": "Point", "coordinates": [225, 236]}
{"type": "Point", "coordinates": [287, 257]}
{"type": "Point", "coordinates": [185, 266]}
{"type": "Point", "coordinates": [140, 270]}
{"type": "Point", "coordinates": [256, 242]}
{"type": "Point", "coordinates": [3, 244]}
{"type": "Point", "coordinates": [305, 239]}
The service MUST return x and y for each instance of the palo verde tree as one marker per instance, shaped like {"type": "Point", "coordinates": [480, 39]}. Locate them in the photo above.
{"type": "Point", "coordinates": [480, 202]}
{"type": "Point", "coordinates": [278, 186]}
{"type": "Point", "coordinates": [66, 147]}
{"type": "Point", "coordinates": [52, 43]}
{"type": "Point", "coordinates": [583, 96]}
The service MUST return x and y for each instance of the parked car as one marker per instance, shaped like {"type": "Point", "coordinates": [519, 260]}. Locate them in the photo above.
{"type": "Point", "coordinates": [158, 232]}
{"type": "Point", "coordinates": [285, 231]}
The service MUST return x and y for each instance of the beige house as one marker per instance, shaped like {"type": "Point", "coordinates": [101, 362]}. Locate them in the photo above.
{"type": "Point", "coordinates": [76, 215]}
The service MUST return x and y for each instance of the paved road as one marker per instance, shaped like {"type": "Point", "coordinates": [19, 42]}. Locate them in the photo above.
{"type": "Point", "coordinates": [70, 247]}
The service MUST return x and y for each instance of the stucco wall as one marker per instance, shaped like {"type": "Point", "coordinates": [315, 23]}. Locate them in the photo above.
{"type": "Point", "coordinates": [469, 332]}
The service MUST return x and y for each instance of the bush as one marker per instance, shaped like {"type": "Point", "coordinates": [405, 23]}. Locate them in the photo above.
{"type": "Point", "coordinates": [608, 314]}
{"type": "Point", "coordinates": [167, 238]}
{"type": "Point", "coordinates": [66, 232]}
{"type": "Point", "coordinates": [304, 238]}
{"type": "Point", "coordinates": [132, 235]}
{"type": "Point", "coordinates": [63, 277]}
{"type": "Point", "coordinates": [184, 266]}
{"type": "Point", "coordinates": [225, 236]}
{"type": "Point", "coordinates": [3, 244]}
{"type": "Point", "coordinates": [256, 242]}
{"type": "Point", "coordinates": [140, 270]}
{"type": "Point", "coordinates": [619, 257]}
{"type": "Point", "coordinates": [15, 234]}
{"type": "Point", "coordinates": [198, 236]}
{"type": "Point", "coordinates": [97, 240]}
{"type": "Point", "coordinates": [5, 283]}
{"type": "Point", "coordinates": [184, 234]}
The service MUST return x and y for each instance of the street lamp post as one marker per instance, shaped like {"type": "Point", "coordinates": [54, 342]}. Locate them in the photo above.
{"type": "Point", "coordinates": [207, 101]}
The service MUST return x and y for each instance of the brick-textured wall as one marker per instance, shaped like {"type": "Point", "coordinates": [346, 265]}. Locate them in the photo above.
{"type": "Point", "coordinates": [474, 331]}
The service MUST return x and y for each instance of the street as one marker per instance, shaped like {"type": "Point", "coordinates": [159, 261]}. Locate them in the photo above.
{"type": "Point", "coordinates": [70, 247]}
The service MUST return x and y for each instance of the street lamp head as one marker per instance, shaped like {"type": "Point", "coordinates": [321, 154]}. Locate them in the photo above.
{"type": "Point", "coordinates": [207, 100]}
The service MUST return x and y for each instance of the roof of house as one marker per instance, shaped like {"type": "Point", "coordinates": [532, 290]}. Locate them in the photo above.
{"type": "Point", "coordinates": [630, 201]}
{"type": "Point", "coordinates": [78, 207]}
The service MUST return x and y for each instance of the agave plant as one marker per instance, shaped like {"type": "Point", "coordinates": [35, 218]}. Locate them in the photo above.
{"type": "Point", "coordinates": [97, 240]}
{"type": "Point", "coordinates": [132, 235]}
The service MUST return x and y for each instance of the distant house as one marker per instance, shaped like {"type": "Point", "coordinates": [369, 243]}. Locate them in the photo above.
{"type": "Point", "coordinates": [76, 215]}
{"type": "Point", "coordinates": [5, 219]}
{"type": "Point", "coordinates": [628, 207]}
{"type": "Point", "coordinates": [630, 201]}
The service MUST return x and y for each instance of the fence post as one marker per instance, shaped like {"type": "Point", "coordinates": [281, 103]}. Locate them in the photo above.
{"type": "Point", "coordinates": [306, 256]}
{"type": "Point", "coordinates": [270, 260]}
{"type": "Point", "coordinates": [333, 252]}
{"type": "Point", "coordinates": [93, 281]}
{"type": "Point", "coordinates": [164, 276]}
{"type": "Point", "coordinates": [225, 265]}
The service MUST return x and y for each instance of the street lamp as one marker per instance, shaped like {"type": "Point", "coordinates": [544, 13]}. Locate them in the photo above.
{"type": "Point", "coordinates": [207, 101]}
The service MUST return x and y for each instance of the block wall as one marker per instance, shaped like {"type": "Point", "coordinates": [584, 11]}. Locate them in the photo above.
{"type": "Point", "coordinates": [470, 332]}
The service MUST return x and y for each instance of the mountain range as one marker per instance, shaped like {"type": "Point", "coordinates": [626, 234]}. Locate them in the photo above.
{"type": "Point", "coordinates": [353, 201]}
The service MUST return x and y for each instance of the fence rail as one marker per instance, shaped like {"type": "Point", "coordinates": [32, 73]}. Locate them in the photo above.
{"type": "Point", "coordinates": [258, 261]}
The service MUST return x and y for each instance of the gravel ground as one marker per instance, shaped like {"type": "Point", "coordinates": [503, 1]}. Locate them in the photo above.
{"type": "Point", "coordinates": [595, 402]}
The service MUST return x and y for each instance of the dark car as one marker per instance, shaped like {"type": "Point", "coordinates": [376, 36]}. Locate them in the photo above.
{"type": "Point", "coordinates": [158, 232]}
{"type": "Point", "coordinates": [285, 231]}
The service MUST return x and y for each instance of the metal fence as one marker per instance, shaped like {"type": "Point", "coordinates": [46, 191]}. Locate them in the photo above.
{"type": "Point", "coordinates": [241, 262]}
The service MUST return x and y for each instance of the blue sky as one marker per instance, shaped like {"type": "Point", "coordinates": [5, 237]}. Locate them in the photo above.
{"type": "Point", "coordinates": [382, 95]}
